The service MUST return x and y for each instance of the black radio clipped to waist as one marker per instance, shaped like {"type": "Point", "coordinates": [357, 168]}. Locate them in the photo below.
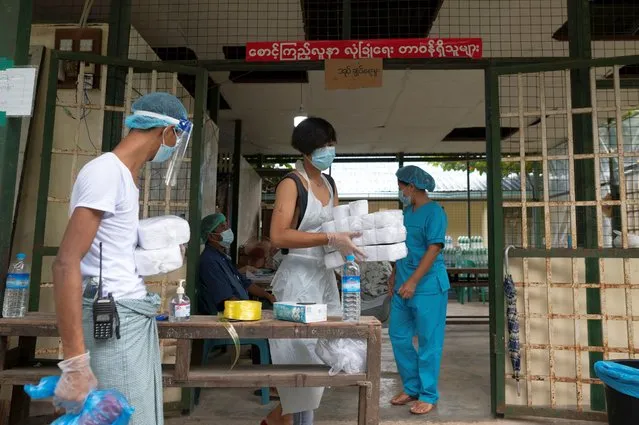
{"type": "Point", "coordinates": [105, 312]}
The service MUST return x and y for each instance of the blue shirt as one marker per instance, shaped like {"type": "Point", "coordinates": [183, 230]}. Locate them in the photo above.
{"type": "Point", "coordinates": [424, 226]}
{"type": "Point", "coordinates": [219, 281]}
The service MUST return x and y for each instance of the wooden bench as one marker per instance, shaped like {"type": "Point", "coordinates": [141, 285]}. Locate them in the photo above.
{"type": "Point", "coordinates": [19, 367]}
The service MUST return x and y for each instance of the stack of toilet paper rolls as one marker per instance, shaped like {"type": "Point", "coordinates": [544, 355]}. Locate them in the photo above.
{"type": "Point", "coordinates": [383, 234]}
{"type": "Point", "coordinates": [159, 240]}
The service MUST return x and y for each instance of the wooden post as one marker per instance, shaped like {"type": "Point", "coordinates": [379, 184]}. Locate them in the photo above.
{"type": "Point", "coordinates": [182, 359]}
{"type": "Point", "coordinates": [368, 412]}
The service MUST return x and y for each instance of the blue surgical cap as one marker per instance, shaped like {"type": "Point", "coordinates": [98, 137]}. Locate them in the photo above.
{"type": "Point", "coordinates": [417, 177]}
{"type": "Point", "coordinates": [160, 103]}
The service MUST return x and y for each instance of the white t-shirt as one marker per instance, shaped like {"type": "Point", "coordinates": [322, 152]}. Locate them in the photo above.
{"type": "Point", "coordinates": [105, 184]}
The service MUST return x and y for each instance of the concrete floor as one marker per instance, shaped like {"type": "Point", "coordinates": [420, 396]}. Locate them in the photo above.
{"type": "Point", "coordinates": [464, 388]}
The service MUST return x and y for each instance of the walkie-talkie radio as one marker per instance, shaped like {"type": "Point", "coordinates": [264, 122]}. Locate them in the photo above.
{"type": "Point", "coordinates": [105, 312]}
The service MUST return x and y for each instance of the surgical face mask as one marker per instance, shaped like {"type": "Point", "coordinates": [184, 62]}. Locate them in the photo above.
{"type": "Point", "coordinates": [165, 152]}
{"type": "Point", "coordinates": [227, 238]}
{"type": "Point", "coordinates": [175, 155]}
{"type": "Point", "coordinates": [322, 158]}
{"type": "Point", "coordinates": [405, 200]}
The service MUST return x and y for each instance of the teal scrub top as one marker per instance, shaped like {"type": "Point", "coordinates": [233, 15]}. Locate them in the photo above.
{"type": "Point", "coordinates": [424, 226]}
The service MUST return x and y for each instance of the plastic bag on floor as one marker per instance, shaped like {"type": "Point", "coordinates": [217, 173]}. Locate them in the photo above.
{"type": "Point", "coordinates": [344, 354]}
{"type": "Point", "coordinates": [620, 377]}
{"type": "Point", "coordinates": [102, 407]}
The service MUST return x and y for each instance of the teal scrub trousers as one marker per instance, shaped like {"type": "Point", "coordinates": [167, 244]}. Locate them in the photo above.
{"type": "Point", "coordinates": [423, 316]}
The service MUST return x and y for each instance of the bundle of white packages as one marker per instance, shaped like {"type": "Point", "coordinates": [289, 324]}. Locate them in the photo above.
{"type": "Point", "coordinates": [355, 223]}
{"type": "Point", "coordinates": [397, 214]}
{"type": "Point", "coordinates": [384, 219]}
{"type": "Point", "coordinates": [341, 225]}
{"type": "Point", "coordinates": [163, 232]}
{"type": "Point", "coordinates": [358, 208]}
{"type": "Point", "coordinates": [369, 237]}
{"type": "Point", "coordinates": [334, 260]}
{"type": "Point", "coordinates": [390, 235]}
{"type": "Point", "coordinates": [392, 252]}
{"type": "Point", "coordinates": [329, 227]}
{"type": "Point", "coordinates": [370, 252]}
{"type": "Point", "coordinates": [150, 262]}
{"type": "Point", "coordinates": [368, 222]}
{"type": "Point", "coordinates": [341, 212]}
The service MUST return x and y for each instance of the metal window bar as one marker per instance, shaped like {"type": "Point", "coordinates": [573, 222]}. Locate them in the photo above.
{"type": "Point", "coordinates": [622, 198]}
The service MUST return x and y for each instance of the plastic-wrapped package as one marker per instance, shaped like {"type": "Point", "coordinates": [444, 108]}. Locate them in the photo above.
{"type": "Point", "coordinates": [390, 235]}
{"type": "Point", "coordinates": [342, 225]}
{"type": "Point", "coordinates": [102, 407]}
{"type": "Point", "coordinates": [392, 252]}
{"type": "Point", "coordinates": [368, 222]}
{"type": "Point", "coordinates": [369, 237]}
{"type": "Point", "coordinates": [343, 354]}
{"type": "Point", "coordinates": [358, 208]}
{"type": "Point", "coordinates": [163, 232]}
{"type": "Point", "coordinates": [341, 212]}
{"type": "Point", "coordinates": [355, 223]}
{"type": "Point", "coordinates": [384, 219]}
{"type": "Point", "coordinates": [370, 252]}
{"type": "Point", "coordinates": [633, 240]}
{"type": "Point", "coordinates": [158, 261]}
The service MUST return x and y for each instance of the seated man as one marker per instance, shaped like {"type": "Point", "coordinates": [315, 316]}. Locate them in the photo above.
{"type": "Point", "coordinates": [220, 280]}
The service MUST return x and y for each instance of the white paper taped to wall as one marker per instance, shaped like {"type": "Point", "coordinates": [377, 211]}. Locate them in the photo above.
{"type": "Point", "coordinates": [17, 90]}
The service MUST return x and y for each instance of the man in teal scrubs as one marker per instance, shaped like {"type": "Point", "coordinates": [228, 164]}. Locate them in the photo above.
{"type": "Point", "coordinates": [419, 289]}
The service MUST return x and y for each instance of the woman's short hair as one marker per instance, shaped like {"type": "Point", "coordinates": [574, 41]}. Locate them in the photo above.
{"type": "Point", "coordinates": [312, 133]}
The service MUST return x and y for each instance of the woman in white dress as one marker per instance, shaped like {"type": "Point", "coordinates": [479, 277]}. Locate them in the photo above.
{"type": "Point", "coordinates": [304, 200]}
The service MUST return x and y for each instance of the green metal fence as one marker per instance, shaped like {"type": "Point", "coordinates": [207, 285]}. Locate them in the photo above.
{"type": "Point", "coordinates": [570, 286]}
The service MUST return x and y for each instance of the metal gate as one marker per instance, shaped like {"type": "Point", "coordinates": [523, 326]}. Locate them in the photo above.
{"type": "Point", "coordinates": [83, 118]}
{"type": "Point", "coordinates": [566, 135]}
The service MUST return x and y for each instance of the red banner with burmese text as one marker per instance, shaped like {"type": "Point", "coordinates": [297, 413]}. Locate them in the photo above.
{"type": "Point", "coordinates": [407, 48]}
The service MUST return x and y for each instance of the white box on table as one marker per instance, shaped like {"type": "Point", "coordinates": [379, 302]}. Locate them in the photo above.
{"type": "Point", "coordinates": [300, 312]}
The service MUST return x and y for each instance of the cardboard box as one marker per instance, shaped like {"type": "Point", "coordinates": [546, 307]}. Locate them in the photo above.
{"type": "Point", "coordinates": [300, 312]}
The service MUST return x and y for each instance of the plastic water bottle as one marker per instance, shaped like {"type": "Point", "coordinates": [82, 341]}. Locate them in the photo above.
{"type": "Point", "coordinates": [16, 292]}
{"type": "Point", "coordinates": [180, 308]}
{"type": "Point", "coordinates": [351, 291]}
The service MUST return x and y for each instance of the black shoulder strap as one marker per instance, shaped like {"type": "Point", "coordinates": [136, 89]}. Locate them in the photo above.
{"type": "Point", "coordinates": [302, 196]}
{"type": "Point", "coordinates": [332, 183]}
{"type": "Point", "coordinates": [302, 199]}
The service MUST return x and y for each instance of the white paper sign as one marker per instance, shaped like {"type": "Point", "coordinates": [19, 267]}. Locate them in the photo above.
{"type": "Point", "coordinates": [17, 86]}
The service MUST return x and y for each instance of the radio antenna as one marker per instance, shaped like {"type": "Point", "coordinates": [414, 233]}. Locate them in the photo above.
{"type": "Point", "coordinates": [100, 277]}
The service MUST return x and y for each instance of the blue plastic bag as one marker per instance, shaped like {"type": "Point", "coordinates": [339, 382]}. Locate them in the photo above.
{"type": "Point", "coordinates": [619, 377]}
{"type": "Point", "coordinates": [102, 407]}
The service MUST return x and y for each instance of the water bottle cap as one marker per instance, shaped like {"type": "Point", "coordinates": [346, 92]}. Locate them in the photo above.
{"type": "Point", "coordinates": [21, 256]}
{"type": "Point", "coordinates": [350, 257]}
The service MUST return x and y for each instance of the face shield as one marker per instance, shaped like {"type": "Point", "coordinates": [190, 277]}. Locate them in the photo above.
{"type": "Point", "coordinates": [183, 130]}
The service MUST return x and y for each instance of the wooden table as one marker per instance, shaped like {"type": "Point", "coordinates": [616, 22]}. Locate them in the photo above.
{"type": "Point", "coordinates": [18, 368]}
{"type": "Point", "coordinates": [471, 282]}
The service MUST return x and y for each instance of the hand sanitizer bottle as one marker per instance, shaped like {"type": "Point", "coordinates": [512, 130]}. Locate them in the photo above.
{"type": "Point", "coordinates": [180, 308]}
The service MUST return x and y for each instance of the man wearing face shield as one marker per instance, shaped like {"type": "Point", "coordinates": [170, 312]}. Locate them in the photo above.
{"type": "Point", "coordinates": [419, 289]}
{"type": "Point", "coordinates": [303, 201]}
{"type": "Point", "coordinates": [220, 280]}
{"type": "Point", "coordinates": [104, 211]}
